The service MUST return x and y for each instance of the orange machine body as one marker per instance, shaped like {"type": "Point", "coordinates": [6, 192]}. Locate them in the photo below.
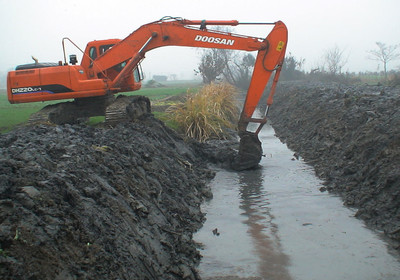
{"type": "Point", "coordinates": [51, 81]}
{"type": "Point", "coordinates": [112, 66]}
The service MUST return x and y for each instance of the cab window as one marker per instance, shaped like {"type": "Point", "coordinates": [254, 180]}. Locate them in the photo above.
{"type": "Point", "coordinates": [93, 53]}
{"type": "Point", "coordinates": [105, 48]}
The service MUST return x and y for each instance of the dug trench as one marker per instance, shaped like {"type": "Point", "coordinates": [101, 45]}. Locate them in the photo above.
{"type": "Point", "coordinates": [351, 136]}
{"type": "Point", "coordinates": [79, 202]}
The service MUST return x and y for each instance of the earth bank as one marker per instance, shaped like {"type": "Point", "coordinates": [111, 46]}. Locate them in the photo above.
{"type": "Point", "coordinates": [79, 202]}
{"type": "Point", "coordinates": [351, 136]}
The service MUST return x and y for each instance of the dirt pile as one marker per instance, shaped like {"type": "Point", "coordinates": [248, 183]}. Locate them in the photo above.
{"type": "Point", "coordinates": [79, 202]}
{"type": "Point", "coordinates": [351, 135]}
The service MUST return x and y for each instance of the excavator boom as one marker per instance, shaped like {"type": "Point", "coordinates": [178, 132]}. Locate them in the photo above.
{"type": "Point", "coordinates": [111, 66]}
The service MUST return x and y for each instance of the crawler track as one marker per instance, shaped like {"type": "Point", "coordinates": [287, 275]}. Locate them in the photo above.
{"type": "Point", "coordinates": [127, 108]}
{"type": "Point", "coordinates": [115, 110]}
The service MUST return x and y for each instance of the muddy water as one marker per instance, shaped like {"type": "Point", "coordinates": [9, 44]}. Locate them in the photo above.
{"type": "Point", "coordinates": [274, 223]}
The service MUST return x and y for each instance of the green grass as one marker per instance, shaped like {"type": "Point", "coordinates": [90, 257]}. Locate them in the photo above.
{"type": "Point", "coordinates": [162, 92]}
{"type": "Point", "coordinates": [93, 121]}
{"type": "Point", "coordinates": [167, 120]}
{"type": "Point", "coordinates": [12, 115]}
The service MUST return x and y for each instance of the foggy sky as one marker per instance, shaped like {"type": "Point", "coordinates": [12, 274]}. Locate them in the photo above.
{"type": "Point", "coordinates": [36, 27]}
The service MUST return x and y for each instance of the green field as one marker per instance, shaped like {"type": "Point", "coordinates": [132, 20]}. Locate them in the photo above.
{"type": "Point", "coordinates": [162, 92]}
{"type": "Point", "coordinates": [12, 115]}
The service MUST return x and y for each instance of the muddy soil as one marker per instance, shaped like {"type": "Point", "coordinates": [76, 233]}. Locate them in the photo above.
{"type": "Point", "coordinates": [351, 136]}
{"type": "Point", "coordinates": [80, 202]}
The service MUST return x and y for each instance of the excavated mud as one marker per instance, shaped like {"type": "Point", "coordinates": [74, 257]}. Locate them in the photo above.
{"type": "Point", "coordinates": [351, 136]}
{"type": "Point", "coordinates": [80, 202]}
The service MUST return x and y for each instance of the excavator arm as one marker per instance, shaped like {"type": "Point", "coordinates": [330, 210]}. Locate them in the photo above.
{"type": "Point", "coordinates": [107, 67]}
{"type": "Point", "coordinates": [182, 32]}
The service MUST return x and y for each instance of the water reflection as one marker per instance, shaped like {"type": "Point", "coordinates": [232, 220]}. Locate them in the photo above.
{"type": "Point", "coordinates": [274, 223]}
{"type": "Point", "coordinates": [254, 202]}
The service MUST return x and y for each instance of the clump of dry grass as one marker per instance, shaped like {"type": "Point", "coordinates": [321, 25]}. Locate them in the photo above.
{"type": "Point", "coordinates": [207, 114]}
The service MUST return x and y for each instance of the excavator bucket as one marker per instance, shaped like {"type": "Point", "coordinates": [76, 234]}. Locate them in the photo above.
{"type": "Point", "coordinates": [250, 152]}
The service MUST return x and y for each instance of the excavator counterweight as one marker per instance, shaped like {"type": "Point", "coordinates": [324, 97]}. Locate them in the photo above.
{"type": "Point", "coordinates": [112, 66]}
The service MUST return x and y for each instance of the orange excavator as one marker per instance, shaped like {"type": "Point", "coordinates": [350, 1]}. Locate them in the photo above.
{"type": "Point", "coordinates": [113, 66]}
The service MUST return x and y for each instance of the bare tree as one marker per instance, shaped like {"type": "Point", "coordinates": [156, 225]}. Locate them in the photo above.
{"type": "Point", "coordinates": [235, 67]}
{"type": "Point", "coordinates": [212, 64]}
{"type": "Point", "coordinates": [384, 54]}
{"type": "Point", "coordinates": [239, 70]}
{"type": "Point", "coordinates": [335, 60]}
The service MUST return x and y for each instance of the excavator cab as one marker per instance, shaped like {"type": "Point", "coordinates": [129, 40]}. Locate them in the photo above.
{"type": "Point", "coordinates": [96, 49]}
